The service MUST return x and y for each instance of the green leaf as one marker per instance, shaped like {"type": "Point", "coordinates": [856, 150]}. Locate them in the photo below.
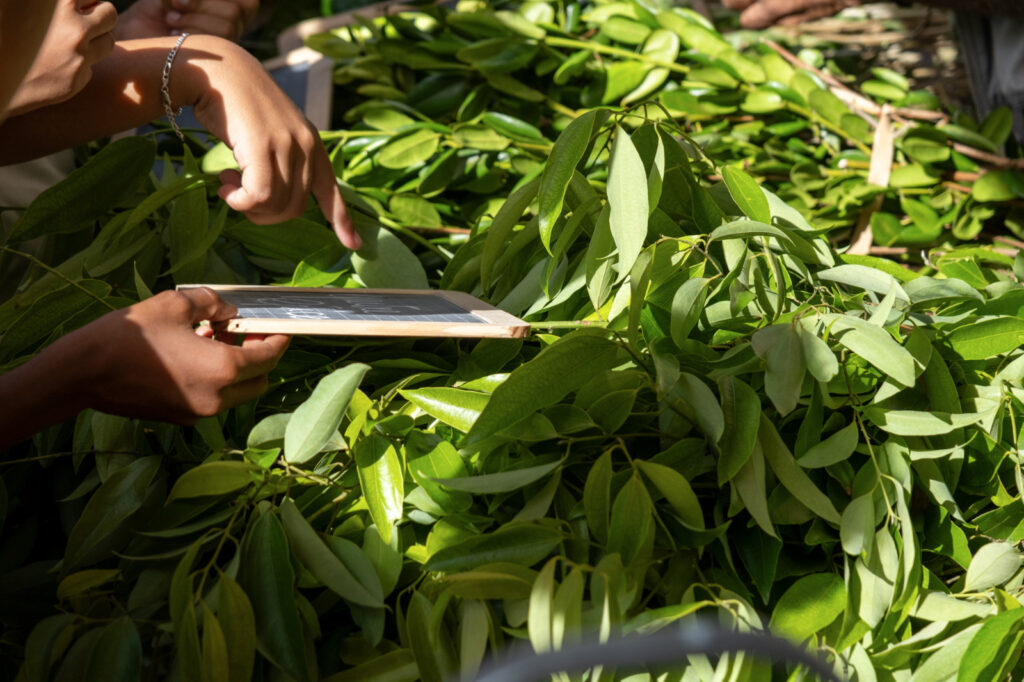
{"type": "Point", "coordinates": [557, 371]}
{"type": "Point", "coordinates": [315, 421]}
{"type": "Point", "coordinates": [441, 463]}
{"type": "Point", "coordinates": [54, 310]}
{"type": "Point", "coordinates": [625, 30]}
{"type": "Point", "coordinates": [700, 405]}
{"type": "Point", "coordinates": [542, 596]}
{"type": "Point", "coordinates": [749, 484]}
{"type": "Point", "coordinates": [919, 423]}
{"type": "Point", "coordinates": [238, 623]}
{"type": "Point", "coordinates": [597, 496]}
{"type": "Point", "coordinates": [998, 186]}
{"type": "Point", "coordinates": [269, 580]}
{"type": "Point", "coordinates": [791, 475]}
{"type": "Point", "coordinates": [385, 557]}
{"type": "Point", "coordinates": [661, 45]}
{"type": "Point", "coordinates": [409, 149]}
{"type": "Point", "coordinates": [414, 211]}
{"type": "Point", "coordinates": [213, 478]}
{"type": "Point", "coordinates": [518, 543]}
{"type": "Point", "coordinates": [83, 582]}
{"type": "Point", "coordinates": [398, 665]}
{"type": "Point", "coordinates": [631, 520]}
{"type": "Point", "coordinates": [456, 407]}
{"type": "Point", "coordinates": [512, 127]}
{"type": "Point", "coordinates": [676, 490]}
{"type": "Point", "coordinates": [747, 229]}
{"type": "Point", "coordinates": [389, 265]}
{"type": "Point", "coordinates": [747, 194]}
{"type": "Point", "coordinates": [810, 604]}
{"type": "Point", "coordinates": [785, 368]}
{"type": "Point", "coordinates": [568, 151]}
{"type": "Point", "coordinates": [107, 179]}
{"type": "Point", "coordinates": [43, 646]}
{"type": "Point", "coordinates": [864, 277]}
{"type": "Point", "coordinates": [994, 650]}
{"type": "Point", "coordinates": [190, 233]}
{"type": "Point", "coordinates": [988, 338]}
{"type": "Point", "coordinates": [215, 665]}
{"type": "Point", "coordinates": [117, 654]}
{"type": "Point", "coordinates": [318, 558]}
{"type": "Point", "coordinates": [741, 408]}
{"type": "Point", "coordinates": [857, 526]}
{"type": "Point", "coordinates": [836, 448]}
{"type": "Point", "coordinates": [820, 360]}
{"type": "Point", "coordinates": [992, 565]}
{"type": "Point", "coordinates": [382, 480]}
{"type": "Point", "coordinates": [687, 306]}
{"type": "Point", "coordinates": [474, 628]}
{"type": "Point", "coordinates": [875, 345]}
{"type": "Point", "coordinates": [491, 581]}
{"type": "Point", "coordinates": [120, 496]}
{"type": "Point", "coordinates": [422, 635]}
{"type": "Point", "coordinates": [500, 230]}
{"type": "Point", "coordinates": [627, 198]}
{"type": "Point", "coordinates": [502, 482]}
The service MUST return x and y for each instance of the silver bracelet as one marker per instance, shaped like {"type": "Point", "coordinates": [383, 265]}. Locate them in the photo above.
{"type": "Point", "coordinates": [165, 91]}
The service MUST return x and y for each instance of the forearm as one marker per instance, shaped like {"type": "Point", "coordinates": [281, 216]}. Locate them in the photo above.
{"type": "Point", "coordinates": [124, 93]}
{"type": "Point", "coordinates": [47, 390]}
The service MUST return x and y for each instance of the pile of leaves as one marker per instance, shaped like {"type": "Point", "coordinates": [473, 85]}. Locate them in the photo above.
{"type": "Point", "coordinates": [717, 414]}
{"type": "Point", "coordinates": [511, 79]}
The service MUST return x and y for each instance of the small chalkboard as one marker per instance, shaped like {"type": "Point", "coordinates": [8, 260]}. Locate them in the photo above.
{"type": "Point", "coordinates": [365, 312]}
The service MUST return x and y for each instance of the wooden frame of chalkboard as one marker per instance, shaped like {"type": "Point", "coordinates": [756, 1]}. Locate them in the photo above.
{"type": "Point", "coordinates": [364, 312]}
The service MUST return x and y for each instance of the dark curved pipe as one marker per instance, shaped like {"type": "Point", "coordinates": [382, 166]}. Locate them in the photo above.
{"type": "Point", "coordinates": [670, 645]}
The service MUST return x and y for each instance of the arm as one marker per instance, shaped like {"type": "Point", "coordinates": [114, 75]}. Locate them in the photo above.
{"type": "Point", "coordinates": [152, 18]}
{"type": "Point", "coordinates": [281, 156]}
{"type": "Point", "coordinates": [145, 361]}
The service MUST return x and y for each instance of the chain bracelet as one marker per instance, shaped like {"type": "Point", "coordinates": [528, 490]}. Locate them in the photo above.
{"type": "Point", "coordinates": [165, 91]}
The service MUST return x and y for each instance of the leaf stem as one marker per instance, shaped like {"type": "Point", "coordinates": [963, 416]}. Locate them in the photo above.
{"type": "Point", "coordinates": [59, 274]}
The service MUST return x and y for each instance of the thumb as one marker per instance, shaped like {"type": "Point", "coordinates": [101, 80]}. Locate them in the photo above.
{"type": "Point", "coordinates": [207, 305]}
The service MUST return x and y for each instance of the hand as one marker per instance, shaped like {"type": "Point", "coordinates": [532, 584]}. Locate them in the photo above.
{"type": "Point", "coordinates": [152, 18]}
{"type": "Point", "coordinates": [759, 14]}
{"type": "Point", "coordinates": [78, 37]}
{"type": "Point", "coordinates": [278, 151]}
{"type": "Point", "coordinates": [153, 363]}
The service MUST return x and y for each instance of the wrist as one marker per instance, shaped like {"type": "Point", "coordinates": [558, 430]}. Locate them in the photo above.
{"type": "Point", "coordinates": [199, 64]}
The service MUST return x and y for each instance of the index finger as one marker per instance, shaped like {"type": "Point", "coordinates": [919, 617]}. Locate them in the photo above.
{"type": "Point", "coordinates": [325, 189]}
{"type": "Point", "coordinates": [259, 354]}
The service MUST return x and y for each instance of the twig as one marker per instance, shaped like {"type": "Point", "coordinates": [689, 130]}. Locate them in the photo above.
{"type": "Point", "coordinates": [851, 97]}
{"type": "Point", "coordinates": [440, 230]}
{"type": "Point", "coordinates": [888, 250]}
{"type": "Point", "coordinates": [1009, 241]}
{"type": "Point", "coordinates": [569, 324]}
{"type": "Point", "coordinates": [996, 161]}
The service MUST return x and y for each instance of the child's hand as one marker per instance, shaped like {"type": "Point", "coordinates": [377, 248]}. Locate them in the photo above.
{"type": "Point", "coordinates": [79, 36]}
{"type": "Point", "coordinates": [279, 152]}
{"type": "Point", "coordinates": [152, 18]}
{"type": "Point", "coordinates": [759, 14]}
{"type": "Point", "coordinates": [153, 363]}
{"type": "Point", "coordinates": [147, 361]}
